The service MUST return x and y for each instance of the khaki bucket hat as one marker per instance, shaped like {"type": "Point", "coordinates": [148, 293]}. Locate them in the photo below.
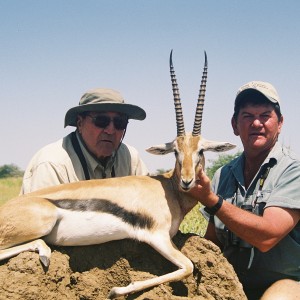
{"type": "Point", "coordinates": [102, 100]}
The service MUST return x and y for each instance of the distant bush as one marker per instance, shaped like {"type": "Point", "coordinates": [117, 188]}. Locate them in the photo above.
{"type": "Point", "coordinates": [222, 160]}
{"type": "Point", "coordinates": [161, 171]}
{"type": "Point", "coordinates": [10, 171]}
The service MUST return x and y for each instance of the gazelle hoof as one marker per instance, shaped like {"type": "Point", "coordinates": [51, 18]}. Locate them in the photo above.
{"type": "Point", "coordinates": [45, 260]}
{"type": "Point", "coordinates": [112, 294]}
{"type": "Point", "coordinates": [120, 291]}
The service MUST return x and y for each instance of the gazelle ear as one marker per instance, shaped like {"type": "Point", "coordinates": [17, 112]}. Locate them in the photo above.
{"type": "Point", "coordinates": [217, 146]}
{"type": "Point", "coordinates": [161, 149]}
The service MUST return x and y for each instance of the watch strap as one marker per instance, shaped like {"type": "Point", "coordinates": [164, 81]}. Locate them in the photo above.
{"type": "Point", "coordinates": [213, 210]}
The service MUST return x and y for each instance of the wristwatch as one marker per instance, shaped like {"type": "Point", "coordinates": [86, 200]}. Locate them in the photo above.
{"type": "Point", "coordinates": [213, 210]}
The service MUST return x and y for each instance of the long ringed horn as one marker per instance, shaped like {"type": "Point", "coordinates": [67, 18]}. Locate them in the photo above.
{"type": "Point", "coordinates": [200, 104]}
{"type": "Point", "coordinates": [177, 102]}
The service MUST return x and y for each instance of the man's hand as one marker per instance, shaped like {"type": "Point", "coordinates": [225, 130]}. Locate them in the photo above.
{"type": "Point", "coordinates": [202, 190]}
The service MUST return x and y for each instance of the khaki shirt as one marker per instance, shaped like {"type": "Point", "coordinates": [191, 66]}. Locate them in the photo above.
{"type": "Point", "coordinates": [58, 163]}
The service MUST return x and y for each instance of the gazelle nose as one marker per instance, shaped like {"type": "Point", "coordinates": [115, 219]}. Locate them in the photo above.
{"type": "Point", "coordinates": [186, 185]}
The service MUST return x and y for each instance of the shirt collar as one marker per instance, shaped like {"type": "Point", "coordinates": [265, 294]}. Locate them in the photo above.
{"type": "Point", "coordinates": [272, 158]}
{"type": "Point", "coordinates": [91, 159]}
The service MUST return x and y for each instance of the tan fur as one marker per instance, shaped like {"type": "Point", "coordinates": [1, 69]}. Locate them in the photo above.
{"type": "Point", "coordinates": [24, 219]}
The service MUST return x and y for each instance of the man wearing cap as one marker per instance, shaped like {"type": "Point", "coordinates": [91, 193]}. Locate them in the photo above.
{"type": "Point", "coordinates": [95, 150]}
{"type": "Point", "coordinates": [253, 202]}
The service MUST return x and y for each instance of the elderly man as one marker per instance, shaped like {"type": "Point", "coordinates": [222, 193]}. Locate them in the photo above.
{"type": "Point", "coordinates": [94, 150]}
{"type": "Point", "coordinates": [253, 206]}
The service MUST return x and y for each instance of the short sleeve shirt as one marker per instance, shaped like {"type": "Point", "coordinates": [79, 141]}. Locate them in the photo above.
{"type": "Point", "coordinates": [282, 189]}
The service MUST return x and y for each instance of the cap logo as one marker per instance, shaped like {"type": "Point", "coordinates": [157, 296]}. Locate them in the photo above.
{"type": "Point", "coordinates": [254, 85]}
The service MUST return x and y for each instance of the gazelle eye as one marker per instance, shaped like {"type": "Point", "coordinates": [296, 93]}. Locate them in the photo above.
{"type": "Point", "coordinates": [176, 152]}
{"type": "Point", "coordinates": [200, 152]}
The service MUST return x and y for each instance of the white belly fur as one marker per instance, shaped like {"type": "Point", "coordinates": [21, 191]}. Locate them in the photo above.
{"type": "Point", "coordinates": [87, 228]}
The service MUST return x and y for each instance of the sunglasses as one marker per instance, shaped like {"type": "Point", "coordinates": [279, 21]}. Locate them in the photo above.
{"type": "Point", "coordinates": [102, 121]}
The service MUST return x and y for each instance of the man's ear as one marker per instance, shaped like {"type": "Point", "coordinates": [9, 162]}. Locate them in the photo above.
{"type": "Point", "coordinates": [234, 126]}
{"type": "Point", "coordinates": [280, 124]}
{"type": "Point", "coordinates": [79, 123]}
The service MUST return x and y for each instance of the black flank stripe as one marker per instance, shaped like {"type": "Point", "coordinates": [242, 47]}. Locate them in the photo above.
{"type": "Point", "coordinates": [132, 218]}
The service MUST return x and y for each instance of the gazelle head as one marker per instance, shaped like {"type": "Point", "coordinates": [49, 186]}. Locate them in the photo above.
{"type": "Point", "coordinates": [189, 147]}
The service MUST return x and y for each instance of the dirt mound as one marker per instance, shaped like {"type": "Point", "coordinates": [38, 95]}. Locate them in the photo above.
{"type": "Point", "coordinates": [88, 273]}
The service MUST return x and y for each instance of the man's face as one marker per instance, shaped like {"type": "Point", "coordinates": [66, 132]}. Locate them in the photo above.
{"type": "Point", "coordinates": [258, 127]}
{"type": "Point", "coordinates": [100, 141]}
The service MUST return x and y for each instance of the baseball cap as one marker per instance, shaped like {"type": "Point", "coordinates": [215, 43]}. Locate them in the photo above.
{"type": "Point", "coordinates": [253, 88]}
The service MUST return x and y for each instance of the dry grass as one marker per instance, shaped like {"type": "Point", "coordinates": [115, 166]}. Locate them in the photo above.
{"type": "Point", "coordinates": [9, 188]}
{"type": "Point", "coordinates": [194, 222]}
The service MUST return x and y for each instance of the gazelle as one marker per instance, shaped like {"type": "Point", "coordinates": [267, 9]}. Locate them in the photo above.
{"type": "Point", "coordinates": [146, 208]}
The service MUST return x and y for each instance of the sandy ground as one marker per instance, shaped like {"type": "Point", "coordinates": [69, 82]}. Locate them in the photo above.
{"type": "Point", "coordinates": [88, 273]}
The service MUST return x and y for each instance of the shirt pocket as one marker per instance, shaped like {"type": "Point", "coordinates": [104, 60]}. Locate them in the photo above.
{"type": "Point", "coordinates": [259, 201]}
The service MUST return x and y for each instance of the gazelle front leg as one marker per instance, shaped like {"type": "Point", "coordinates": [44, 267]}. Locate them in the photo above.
{"type": "Point", "coordinates": [166, 248]}
{"type": "Point", "coordinates": [37, 245]}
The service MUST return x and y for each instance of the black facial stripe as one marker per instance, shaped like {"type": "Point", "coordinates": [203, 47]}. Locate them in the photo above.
{"type": "Point", "coordinates": [132, 218]}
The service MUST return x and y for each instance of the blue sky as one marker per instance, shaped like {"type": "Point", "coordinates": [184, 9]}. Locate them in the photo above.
{"type": "Point", "coordinates": [53, 51]}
